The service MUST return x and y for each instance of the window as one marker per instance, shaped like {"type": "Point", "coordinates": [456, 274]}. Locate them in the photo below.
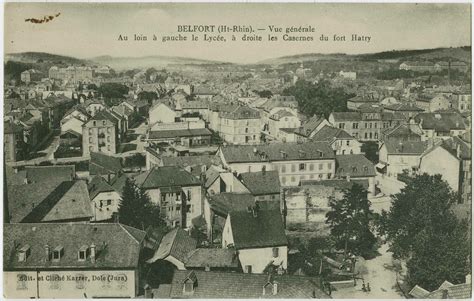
{"type": "Point", "coordinates": [248, 269]}
{"type": "Point", "coordinates": [94, 123]}
{"type": "Point", "coordinates": [329, 165]}
{"type": "Point", "coordinates": [365, 135]}
{"type": "Point", "coordinates": [82, 254]}
{"type": "Point", "coordinates": [320, 166]}
{"type": "Point", "coordinates": [341, 125]}
{"type": "Point", "coordinates": [283, 169]}
{"type": "Point", "coordinates": [311, 166]}
{"type": "Point", "coordinates": [320, 176]}
{"type": "Point", "coordinates": [292, 179]}
{"type": "Point", "coordinates": [293, 167]}
{"type": "Point", "coordinates": [103, 122]}
{"type": "Point", "coordinates": [302, 166]}
{"type": "Point", "coordinates": [275, 252]}
{"type": "Point", "coordinates": [57, 253]}
{"type": "Point", "coordinates": [109, 202]}
{"type": "Point", "coordinates": [348, 142]}
{"type": "Point", "coordinates": [23, 253]}
{"type": "Point", "coordinates": [355, 125]}
{"type": "Point", "coordinates": [90, 131]}
{"type": "Point", "coordinates": [188, 286]}
{"type": "Point", "coordinates": [329, 175]}
{"type": "Point", "coordinates": [108, 138]}
{"type": "Point", "coordinates": [109, 130]}
{"type": "Point", "coordinates": [283, 180]}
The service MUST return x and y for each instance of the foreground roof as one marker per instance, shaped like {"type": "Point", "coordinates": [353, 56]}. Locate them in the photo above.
{"type": "Point", "coordinates": [176, 243]}
{"type": "Point", "coordinates": [354, 165]}
{"type": "Point", "coordinates": [166, 176]}
{"type": "Point", "coordinates": [239, 285]}
{"type": "Point", "coordinates": [116, 247]}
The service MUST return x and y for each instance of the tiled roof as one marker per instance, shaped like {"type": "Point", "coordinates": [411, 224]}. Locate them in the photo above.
{"type": "Point", "coordinates": [43, 202]}
{"type": "Point", "coordinates": [103, 164]}
{"type": "Point", "coordinates": [458, 291]}
{"type": "Point", "coordinates": [309, 126]}
{"type": "Point", "coordinates": [277, 152]}
{"type": "Point", "coordinates": [342, 184]}
{"type": "Point", "coordinates": [356, 165]}
{"type": "Point", "coordinates": [176, 243]}
{"type": "Point", "coordinates": [214, 258]}
{"type": "Point", "coordinates": [98, 185]}
{"type": "Point", "coordinates": [242, 112]}
{"type": "Point", "coordinates": [418, 292]}
{"type": "Point", "coordinates": [280, 114]}
{"type": "Point", "coordinates": [178, 133]}
{"type": "Point", "coordinates": [195, 105]}
{"type": "Point", "coordinates": [441, 122]}
{"type": "Point", "coordinates": [261, 182]}
{"type": "Point", "coordinates": [104, 115]}
{"type": "Point", "coordinates": [38, 174]}
{"type": "Point", "coordinates": [403, 107]}
{"type": "Point", "coordinates": [115, 246]}
{"type": "Point", "coordinates": [405, 147]}
{"type": "Point", "coordinates": [346, 116]}
{"type": "Point", "coordinates": [226, 202]}
{"type": "Point", "coordinates": [329, 133]}
{"type": "Point", "coordinates": [183, 161]}
{"type": "Point", "coordinates": [263, 230]}
{"type": "Point", "coordinates": [239, 285]}
{"type": "Point", "coordinates": [166, 176]}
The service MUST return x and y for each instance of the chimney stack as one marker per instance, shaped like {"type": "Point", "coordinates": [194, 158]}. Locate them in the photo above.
{"type": "Point", "coordinates": [93, 247]}
{"type": "Point", "coordinates": [445, 294]}
{"type": "Point", "coordinates": [47, 251]}
{"type": "Point", "coordinates": [468, 279]}
{"type": "Point", "coordinates": [275, 288]}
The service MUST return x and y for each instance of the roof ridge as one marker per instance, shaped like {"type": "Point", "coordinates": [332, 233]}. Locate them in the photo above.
{"type": "Point", "coordinates": [122, 226]}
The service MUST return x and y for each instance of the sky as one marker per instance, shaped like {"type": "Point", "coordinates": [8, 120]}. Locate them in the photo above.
{"type": "Point", "coordinates": [86, 30]}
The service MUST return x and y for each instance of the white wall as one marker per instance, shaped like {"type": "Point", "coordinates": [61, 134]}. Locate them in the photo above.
{"type": "Point", "coordinates": [440, 161]}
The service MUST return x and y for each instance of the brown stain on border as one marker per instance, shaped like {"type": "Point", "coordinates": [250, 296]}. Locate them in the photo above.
{"type": "Point", "coordinates": [45, 19]}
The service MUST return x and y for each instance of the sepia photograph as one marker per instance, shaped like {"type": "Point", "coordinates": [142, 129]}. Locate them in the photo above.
{"type": "Point", "coordinates": [237, 150]}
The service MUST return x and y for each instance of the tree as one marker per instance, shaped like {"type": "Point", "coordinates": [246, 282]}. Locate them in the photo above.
{"type": "Point", "coordinates": [113, 90]}
{"type": "Point", "coordinates": [136, 209]}
{"type": "Point", "coordinates": [264, 93]}
{"type": "Point", "coordinates": [421, 228]}
{"type": "Point", "coordinates": [148, 96]}
{"type": "Point", "coordinates": [350, 219]}
{"type": "Point", "coordinates": [320, 98]}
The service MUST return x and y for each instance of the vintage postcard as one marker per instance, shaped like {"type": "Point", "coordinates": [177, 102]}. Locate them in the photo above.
{"type": "Point", "coordinates": [237, 150]}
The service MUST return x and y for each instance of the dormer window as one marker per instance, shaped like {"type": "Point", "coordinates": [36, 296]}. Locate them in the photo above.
{"type": "Point", "coordinates": [82, 253]}
{"type": "Point", "coordinates": [58, 253]}
{"type": "Point", "coordinates": [190, 283]}
{"type": "Point", "coordinates": [23, 253]}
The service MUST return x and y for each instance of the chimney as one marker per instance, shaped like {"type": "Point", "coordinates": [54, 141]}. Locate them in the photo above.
{"type": "Point", "coordinates": [275, 288]}
{"type": "Point", "coordinates": [148, 292]}
{"type": "Point", "coordinates": [445, 294]}
{"type": "Point", "coordinates": [468, 279]}
{"type": "Point", "coordinates": [458, 151]}
{"type": "Point", "coordinates": [47, 251]}
{"type": "Point", "coordinates": [93, 247]}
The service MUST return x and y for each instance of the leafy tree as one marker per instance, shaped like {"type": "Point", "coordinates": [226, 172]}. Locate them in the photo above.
{"type": "Point", "coordinates": [113, 90]}
{"type": "Point", "coordinates": [320, 98]}
{"type": "Point", "coordinates": [421, 228]}
{"type": "Point", "coordinates": [92, 87]}
{"type": "Point", "coordinates": [350, 219]}
{"type": "Point", "coordinates": [148, 96]}
{"type": "Point", "coordinates": [264, 93]}
{"type": "Point", "coordinates": [136, 209]}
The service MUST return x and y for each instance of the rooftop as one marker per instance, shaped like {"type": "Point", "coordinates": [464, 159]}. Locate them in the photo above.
{"type": "Point", "coordinates": [260, 230]}
{"type": "Point", "coordinates": [214, 258]}
{"type": "Point", "coordinates": [116, 247]}
{"type": "Point", "coordinates": [277, 152]}
{"type": "Point", "coordinates": [261, 182]}
{"type": "Point", "coordinates": [176, 243]}
{"type": "Point", "coordinates": [356, 165]}
{"type": "Point", "coordinates": [166, 176]}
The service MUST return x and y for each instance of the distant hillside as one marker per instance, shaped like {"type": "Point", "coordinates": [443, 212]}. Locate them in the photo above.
{"type": "Point", "coordinates": [458, 54]}
{"type": "Point", "coordinates": [123, 63]}
{"type": "Point", "coordinates": [43, 57]}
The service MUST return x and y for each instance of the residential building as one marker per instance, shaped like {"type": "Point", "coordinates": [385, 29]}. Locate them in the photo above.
{"type": "Point", "coordinates": [367, 98]}
{"type": "Point", "coordinates": [462, 101]}
{"type": "Point", "coordinates": [264, 185]}
{"type": "Point", "coordinates": [293, 161]}
{"type": "Point", "coordinates": [31, 75]}
{"type": "Point", "coordinates": [174, 248]}
{"type": "Point", "coordinates": [206, 259]}
{"type": "Point", "coordinates": [12, 141]}
{"type": "Point", "coordinates": [71, 73]}
{"type": "Point", "coordinates": [441, 125]}
{"type": "Point", "coordinates": [428, 103]}
{"type": "Point", "coordinates": [403, 132]}
{"type": "Point", "coordinates": [282, 119]}
{"type": "Point", "coordinates": [406, 109]}
{"type": "Point", "coordinates": [103, 165]}
{"type": "Point", "coordinates": [105, 200]}
{"type": "Point", "coordinates": [451, 159]}
{"type": "Point", "coordinates": [341, 142]}
{"type": "Point", "coordinates": [395, 157]}
{"type": "Point", "coordinates": [356, 167]}
{"type": "Point", "coordinates": [241, 126]}
{"type": "Point", "coordinates": [219, 180]}
{"type": "Point", "coordinates": [259, 237]}
{"type": "Point", "coordinates": [176, 191]}
{"type": "Point", "coordinates": [99, 134]}
{"type": "Point", "coordinates": [161, 112]}
{"type": "Point", "coordinates": [419, 66]}
{"type": "Point", "coordinates": [42, 261]}
{"type": "Point", "coordinates": [310, 128]}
